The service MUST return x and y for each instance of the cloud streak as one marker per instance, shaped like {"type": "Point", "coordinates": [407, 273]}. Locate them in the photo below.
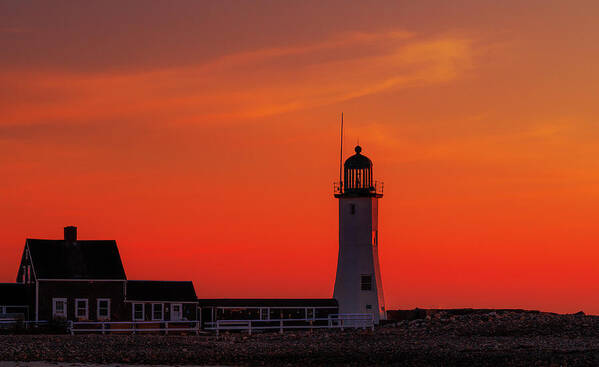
{"type": "Point", "coordinates": [242, 85]}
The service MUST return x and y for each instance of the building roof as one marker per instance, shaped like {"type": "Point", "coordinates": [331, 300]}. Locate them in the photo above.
{"type": "Point", "coordinates": [60, 259]}
{"type": "Point", "coordinates": [268, 302]}
{"type": "Point", "coordinates": [13, 294]}
{"type": "Point", "coordinates": [154, 290]}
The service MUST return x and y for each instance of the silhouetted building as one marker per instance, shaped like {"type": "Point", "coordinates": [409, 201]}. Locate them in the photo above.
{"type": "Point", "coordinates": [73, 279]}
{"type": "Point", "coordinates": [266, 309]}
{"type": "Point", "coordinates": [77, 280]}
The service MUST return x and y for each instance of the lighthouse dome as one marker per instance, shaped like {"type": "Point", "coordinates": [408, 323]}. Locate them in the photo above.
{"type": "Point", "coordinates": [358, 161]}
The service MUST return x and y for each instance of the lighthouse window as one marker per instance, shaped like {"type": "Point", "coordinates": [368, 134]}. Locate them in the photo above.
{"type": "Point", "coordinates": [366, 282]}
{"type": "Point", "coordinates": [352, 208]}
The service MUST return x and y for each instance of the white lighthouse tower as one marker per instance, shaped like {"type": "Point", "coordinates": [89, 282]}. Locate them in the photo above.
{"type": "Point", "coordinates": [358, 285]}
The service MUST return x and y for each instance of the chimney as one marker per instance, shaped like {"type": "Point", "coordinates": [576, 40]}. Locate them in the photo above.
{"type": "Point", "coordinates": [70, 234]}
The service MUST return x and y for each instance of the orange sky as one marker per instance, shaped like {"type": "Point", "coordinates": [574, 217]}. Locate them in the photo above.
{"type": "Point", "coordinates": [203, 137]}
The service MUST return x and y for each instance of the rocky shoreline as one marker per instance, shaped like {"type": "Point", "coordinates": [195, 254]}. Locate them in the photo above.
{"type": "Point", "coordinates": [494, 338]}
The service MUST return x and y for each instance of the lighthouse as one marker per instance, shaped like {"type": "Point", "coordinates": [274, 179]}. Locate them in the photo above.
{"type": "Point", "coordinates": [358, 284]}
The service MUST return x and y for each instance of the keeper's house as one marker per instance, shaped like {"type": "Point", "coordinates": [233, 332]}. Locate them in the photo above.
{"type": "Point", "coordinates": [78, 280]}
{"type": "Point", "coordinates": [75, 280]}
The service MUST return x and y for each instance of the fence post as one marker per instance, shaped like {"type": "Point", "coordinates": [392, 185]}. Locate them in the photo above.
{"type": "Point", "coordinates": [103, 328]}
{"type": "Point", "coordinates": [197, 327]}
{"type": "Point", "coordinates": [281, 326]}
{"type": "Point", "coordinates": [166, 328]}
{"type": "Point", "coordinates": [134, 326]}
{"type": "Point", "coordinates": [71, 327]}
{"type": "Point", "coordinates": [217, 327]}
{"type": "Point", "coordinates": [250, 327]}
{"type": "Point", "coordinates": [341, 323]}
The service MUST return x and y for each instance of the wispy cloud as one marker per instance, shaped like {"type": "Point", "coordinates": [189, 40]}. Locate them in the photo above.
{"type": "Point", "coordinates": [241, 85]}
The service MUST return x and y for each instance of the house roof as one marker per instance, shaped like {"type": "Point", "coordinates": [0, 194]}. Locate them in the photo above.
{"type": "Point", "coordinates": [59, 259]}
{"type": "Point", "coordinates": [154, 290]}
{"type": "Point", "coordinates": [268, 302]}
{"type": "Point", "coordinates": [13, 294]}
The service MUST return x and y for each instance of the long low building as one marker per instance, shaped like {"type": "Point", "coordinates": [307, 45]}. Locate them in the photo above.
{"type": "Point", "coordinates": [266, 309]}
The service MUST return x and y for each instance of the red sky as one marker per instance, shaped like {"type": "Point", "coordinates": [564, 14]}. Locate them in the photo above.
{"type": "Point", "coordinates": [203, 137]}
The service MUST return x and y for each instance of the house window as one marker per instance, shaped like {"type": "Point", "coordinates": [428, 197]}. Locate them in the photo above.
{"type": "Point", "coordinates": [157, 311]}
{"type": "Point", "coordinates": [81, 308]}
{"type": "Point", "coordinates": [103, 309]}
{"type": "Point", "coordinates": [366, 282]}
{"type": "Point", "coordinates": [352, 208]}
{"type": "Point", "coordinates": [59, 308]}
{"type": "Point", "coordinates": [138, 312]}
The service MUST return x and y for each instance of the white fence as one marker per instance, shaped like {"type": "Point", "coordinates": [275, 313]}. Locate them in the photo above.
{"type": "Point", "coordinates": [105, 327]}
{"type": "Point", "coordinates": [334, 321]}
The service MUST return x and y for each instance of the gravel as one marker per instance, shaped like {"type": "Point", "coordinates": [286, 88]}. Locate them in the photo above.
{"type": "Point", "coordinates": [440, 339]}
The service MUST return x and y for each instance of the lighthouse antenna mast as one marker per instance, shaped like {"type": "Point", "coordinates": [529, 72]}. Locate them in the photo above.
{"type": "Point", "coordinates": [341, 159]}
